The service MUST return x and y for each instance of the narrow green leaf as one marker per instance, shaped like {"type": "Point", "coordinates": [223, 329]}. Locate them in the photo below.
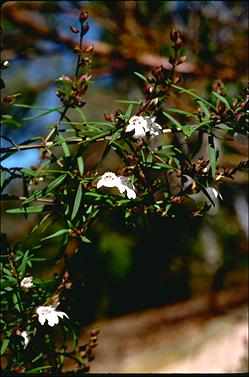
{"type": "Point", "coordinates": [38, 369]}
{"type": "Point", "coordinates": [204, 108]}
{"type": "Point", "coordinates": [141, 76]}
{"type": "Point", "coordinates": [173, 120]}
{"type": "Point", "coordinates": [3, 177]}
{"type": "Point", "coordinates": [223, 126]}
{"type": "Point", "coordinates": [8, 119]}
{"type": "Point", "coordinates": [64, 146]}
{"type": "Point", "coordinates": [182, 90]}
{"type": "Point", "coordinates": [22, 267]}
{"type": "Point", "coordinates": [182, 112]}
{"type": "Point", "coordinates": [212, 154]}
{"type": "Point", "coordinates": [55, 183]}
{"type": "Point", "coordinates": [189, 129]}
{"type": "Point", "coordinates": [129, 111]}
{"type": "Point", "coordinates": [29, 172]}
{"type": "Point", "coordinates": [26, 210]}
{"type": "Point", "coordinates": [56, 234]}
{"type": "Point", "coordinates": [38, 115]}
{"type": "Point", "coordinates": [222, 99]}
{"type": "Point", "coordinates": [85, 239]}
{"type": "Point", "coordinates": [77, 201]}
{"type": "Point", "coordinates": [80, 163]}
{"type": "Point", "coordinates": [133, 102]}
{"type": "Point", "coordinates": [4, 346]}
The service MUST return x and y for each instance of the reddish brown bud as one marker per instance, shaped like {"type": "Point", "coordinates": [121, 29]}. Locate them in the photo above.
{"type": "Point", "coordinates": [173, 35]}
{"type": "Point", "coordinates": [85, 28]}
{"type": "Point", "coordinates": [83, 16]}
{"type": "Point", "coordinates": [179, 42]}
{"type": "Point", "coordinates": [176, 80]}
{"type": "Point", "coordinates": [181, 60]}
{"type": "Point", "coordinates": [88, 49]}
{"type": "Point", "coordinates": [74, 30]}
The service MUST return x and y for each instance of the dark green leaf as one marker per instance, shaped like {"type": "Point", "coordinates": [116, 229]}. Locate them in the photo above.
{"type": "Point", "coordinates": [22, 267]}
{"type": "Point", "coordinates": [77, 201]}
{"type": "Point", "coordinates": [212, 154]}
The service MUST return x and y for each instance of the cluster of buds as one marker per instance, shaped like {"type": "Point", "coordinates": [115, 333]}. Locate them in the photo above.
{"type": "Point", "coordinates": [72, 92]}
{"type": "Point", "coordinates": [86, 350]}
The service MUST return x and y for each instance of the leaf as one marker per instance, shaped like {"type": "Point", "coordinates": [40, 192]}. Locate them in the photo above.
{"type": "Point", "coordinates": [8, 119]}
{"type": "Point", "coordinates": [141, 76]}
{"type": "Point", "coordinates": [64, 146]}
{"type": "Point", "coordinates": [189, 129]}
{"type": "Point", "coordinates": [173, 120]}
{"type": "Point", "coordinates": [222, 99]}
{"type": "Point", "coordinates": [4, 346]}
{"type": "Point", "coordinates": [56, 234]}
{"type": "Point", "coordinates": [223, 126]}
{"type": "Point", "coordinates": [80, 163]}
{"type": "Point", "coordinates": [22, 267]}
{"type": "Point", "coordinates": [3, 177]}
{"type": "Point", "coordinates": [182, 112]}
{"type": "Point", "coordinates": [85, 239]}
{"type": "Point", "coordinates": [38, 369]}
{"type": "Point", "coordinates": [133, 102]}
{"type": "Point", "coordinates": [27, 210]}
{"type": "Point", "coordinates": [129, 111]}
{"type": "Point", "coordinates": [77, 201]}
{"type": "Point", "coordinates": [51, 186]}
{"type": "Point", "coordinates": [182, 90]}
{"type": "Point", "coordinates": [212, 154]}
{"type": "Point", "coordinates": [204, 108]}
{"type": "Point", "coordinates": [30, 172]}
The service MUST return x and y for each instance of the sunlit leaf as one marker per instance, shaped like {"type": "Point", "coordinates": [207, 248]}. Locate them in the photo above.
{"type": "Point", "coordinates": [80, 163]}
{"type": "Point", "coordinates": [56, 234]}
{"type": "Point", "coordinates": [222, 99]}
{"type": "Point", "coordinates": [26, 210]}
{"type": "Point", "coordinates": [141, 76]}
{"type": "Point", "coordinates": [4, 346]}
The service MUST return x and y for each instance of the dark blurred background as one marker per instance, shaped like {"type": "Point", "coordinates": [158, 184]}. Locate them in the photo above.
{"type": "Point", "coordinates": [163, 260]}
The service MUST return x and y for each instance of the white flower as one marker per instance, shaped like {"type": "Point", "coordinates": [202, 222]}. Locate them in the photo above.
{"type": "Point", "coordinates": [122, 183]}
{"type": "Point", "coordinates": [50, 314]}
{"type": "Point", "coordinates": [125, 185]}
{"type": "Point", "coordinates": [108, 179]}
{"type": "Point", "coordinates": [143, 125]}
{"type": "Point", "coordinates": [27, 282]}
{"type": "Point", "coordinates": [26, 336]}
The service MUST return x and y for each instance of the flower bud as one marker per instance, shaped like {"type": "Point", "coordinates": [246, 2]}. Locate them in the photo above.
{"type": "Point", "coordinates": [74, 30]}
{"type": "Point", "coordinates": [88, 49]}
{"type": "Point", "coordinates": [85, 28]}
{"type": "Point", "coordinates": [181, 60]}
{"type": "Point", "coordinates": [173, 35]}
{"type": "Point", "coordinates": [83, 16]}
